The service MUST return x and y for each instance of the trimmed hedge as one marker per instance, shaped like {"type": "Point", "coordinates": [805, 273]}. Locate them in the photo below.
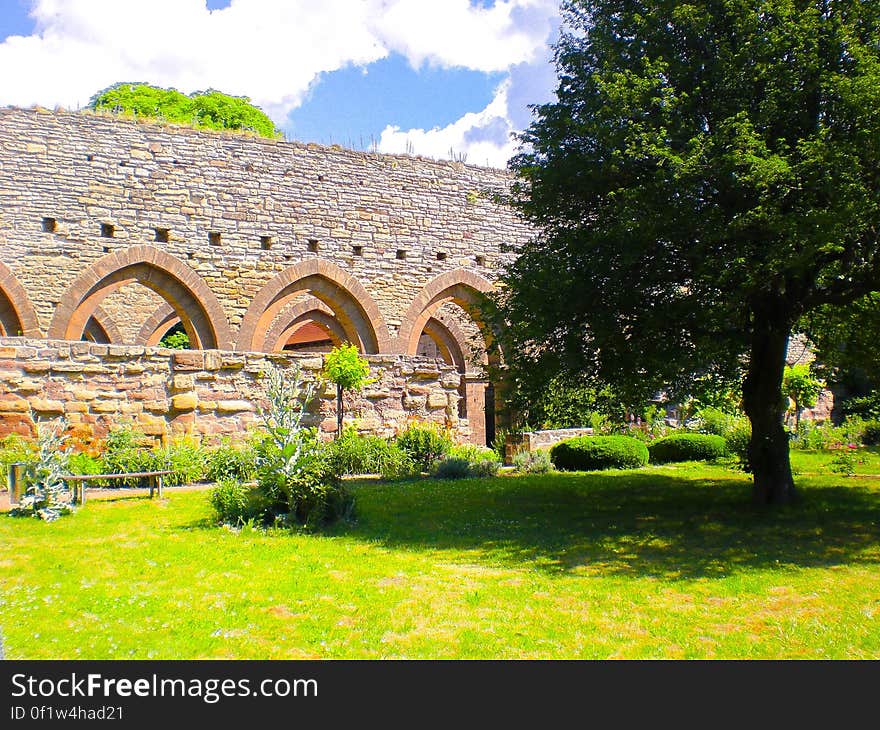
{"type": "Point", "coordinates": [688, 447]}
{"type": "Point", "coordinates": [591, 453]}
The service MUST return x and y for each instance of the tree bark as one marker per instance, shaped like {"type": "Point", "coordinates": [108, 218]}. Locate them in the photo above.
{"type": "Point", "coordinates": [762, 389]}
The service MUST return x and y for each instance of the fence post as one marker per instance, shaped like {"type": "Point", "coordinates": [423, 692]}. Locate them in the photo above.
{"type": "Point", "coordinates": [14, 474]}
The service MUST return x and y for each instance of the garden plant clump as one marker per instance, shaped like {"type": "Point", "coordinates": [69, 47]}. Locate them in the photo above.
{"type": "Point", "coordinates": [297, 482]}
{"type": "Point", "coordinates": [424, 444]}
{"type": "Point", "coordinates": [688, 447]}
{"type": "Point", "coordinates": [467, 460]}
{"type": "Point", "coordinates": [46, 494]}
{"type": "Point", "coordinates": [590, 453]}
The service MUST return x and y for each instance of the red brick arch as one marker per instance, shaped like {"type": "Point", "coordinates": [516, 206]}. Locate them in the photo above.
{"type": "Point", "coordinates": [180, 286]}
{"type": "Point", "coordinates": [293, 317]}
{"type": "Point", "coordinates": [464, 288]}
{"type": "Point", "coordinates": [450, 340]}
{"type": "Point", "coordinates": [17, 315]}
{"type": "Point", "coordinates": [351, 304]}
{"type": "Point", "coordinates": [101, 328]}
{"type": "Point", "coordinates": [157, 325]}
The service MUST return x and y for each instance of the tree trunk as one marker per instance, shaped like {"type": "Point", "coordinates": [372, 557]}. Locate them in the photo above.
{"type": "Point", "coordinates": [338, 410]}
{"type": "Point", "coordinates": [768, 449]}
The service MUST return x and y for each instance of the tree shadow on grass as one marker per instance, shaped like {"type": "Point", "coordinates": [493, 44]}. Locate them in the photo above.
{"type": "Point", "coordinates": [626, 523]}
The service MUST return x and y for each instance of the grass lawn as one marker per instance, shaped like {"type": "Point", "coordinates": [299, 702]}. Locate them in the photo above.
{"type": "Point", "coordinates": [662, 562]}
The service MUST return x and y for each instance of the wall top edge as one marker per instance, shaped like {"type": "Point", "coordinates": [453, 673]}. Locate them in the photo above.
{"type": "Point", "coordinates": [107, 118]}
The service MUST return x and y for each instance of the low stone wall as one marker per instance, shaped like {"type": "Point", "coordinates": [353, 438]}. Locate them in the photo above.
{"type": "Point", "coordinates": [534, 440]}
{"type": "Point", "coordinates": [210, 393]}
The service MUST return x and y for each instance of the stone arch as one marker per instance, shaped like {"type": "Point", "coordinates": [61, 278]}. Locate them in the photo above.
{"type": "Point", "coordinates": [157, 325]}
{"type": "Point", "coordinates": [351, 304]}
{"type": "Point", "coordinates": [463, 287]}
{"type": "Point", "coordinates": [467, 290]}
{"type": "Point", "coordinates": [450, 340]}
{"type": "Point", "coordinates": [101, 328]}
{"type": "Point", "coordinates": [293, 317]}
{"type": "Point", "coordinates": [17, 315]}
{"type": "Point", "coordinates": [190, 297]}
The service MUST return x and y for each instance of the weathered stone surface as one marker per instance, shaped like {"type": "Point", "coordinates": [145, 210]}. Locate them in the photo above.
{"type": "Point", "coordinates": [185, 401]}
{"type": "Point", "coordinates": [437, 400]}
{"type": "Point", "coordinates": [234, 406]}
{"type": "Point", "coordinates": [43, 405]}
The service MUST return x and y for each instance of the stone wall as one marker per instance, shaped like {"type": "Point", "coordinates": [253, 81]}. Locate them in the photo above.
{"type": "Point", "coordinates": [208, 393]}
{"type": "Point", "coordinates": [392, 222]}
{"type": "Point", "coordinates": [534, 440]}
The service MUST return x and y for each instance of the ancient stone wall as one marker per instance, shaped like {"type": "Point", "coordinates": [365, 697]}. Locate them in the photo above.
{"type": "Point", "coordinates": [237, 210]}
{"type": "Point", "coordinates": [210, 393]}
{"type": "Point", "coordinates": [115, 231]}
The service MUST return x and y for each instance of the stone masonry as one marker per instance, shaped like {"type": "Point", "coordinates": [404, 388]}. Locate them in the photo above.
{"type": "Point", "coordinates": [115, 230]}
{"type": "Point", "coordinates": [208, 393]}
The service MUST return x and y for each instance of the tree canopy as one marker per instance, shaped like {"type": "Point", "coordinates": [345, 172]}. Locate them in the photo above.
{"type": "Point", "coordinates": [209, 109]}
{"type": "Point", "coordinates": [709, 174]}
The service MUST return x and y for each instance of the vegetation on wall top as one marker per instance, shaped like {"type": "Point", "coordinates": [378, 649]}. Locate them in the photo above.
{"type": "Point", "coordinates": [209, 109]}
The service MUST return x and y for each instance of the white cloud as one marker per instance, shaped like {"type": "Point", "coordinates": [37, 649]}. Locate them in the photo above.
{"type": "Point", "coordinates": [274, 51]}
{"type": "Point", "coordinates": [481, 138]}
{"type": "Point", "coordinates": [456, 33]}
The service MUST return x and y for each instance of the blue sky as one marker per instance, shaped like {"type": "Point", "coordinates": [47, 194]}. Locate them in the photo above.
{"type": "Point", "coordinates": [432, 77]}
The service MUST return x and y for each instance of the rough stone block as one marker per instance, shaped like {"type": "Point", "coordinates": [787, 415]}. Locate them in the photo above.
{"type": "Point", "coordinates": [188, 360]}
{"type": "Point", "coordinates": [183, 382]}
{"type": "Point", "coordinates": [437, 400]}
{"type": "Point", "coordinates": [185, 401]}
{"type": "Point", "coordinates": [213, 360]}
{"type": "Point", "coordinates": [13, 404]}
{"type": "Point", "coordinates": [234, 406]}
{"type": "Point", "coordinates": [43, 405]}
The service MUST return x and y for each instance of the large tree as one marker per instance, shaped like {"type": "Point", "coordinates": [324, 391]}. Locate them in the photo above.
{"type": "Point", "coordinates": [709, 173]}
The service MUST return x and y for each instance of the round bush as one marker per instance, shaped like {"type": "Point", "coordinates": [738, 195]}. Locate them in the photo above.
{"type": "Point", "coordinates": [688, 447]}
{"type": "Point", "coordinates": [871, 433]}
{"type": "Point", "coordinates": [589, 453]}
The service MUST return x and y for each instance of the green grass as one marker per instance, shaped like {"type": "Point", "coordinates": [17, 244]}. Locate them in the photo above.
{"type": "Point", "coordinates": [662, 562]}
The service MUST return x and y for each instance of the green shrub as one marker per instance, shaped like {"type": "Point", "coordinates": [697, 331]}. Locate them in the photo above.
{"type": "Point", "coordinates": [424, 444]}
{"type": "Point", "coordinates": [467, 460]}
{"type": "Point", "coordinates": [688, 447]}
{"type": "Point", "coordinates": [82, 463]}
{"type": "Point", "coordinates": [738, 439]}
{"type": "Point", "coordinates": [186, 460]}
{"type": "Point", "coordinates": [232, 502]}
{"type": "Point", "coordinates": [398, 465]}
{"type": "Point", "coordinates": [714, 421]}
{"type": "Point", "coordinates": [816, 436]}
{"type": "Point", "coordinates": [124, 452]}
{"type": "Point", "coordinates": [452, 467]}
{"type": "Point", "coordinates": [871, 433]}
{"type": "Point", "coordinates": [227, 461]}
{"type": "Point", "coordinates": [16, 449]}
{"type": "Point", "coordinates": [533, 462]}
{"type": "Point", "coordinates": [298, 483]}
{"type": "Point", "coordinates": [589, 453]}
{"type": "Point", "coordinates": [45, 492]}
{"type": "Point", "coordinates": [296, 478]}
{"type": "Point", "coordinates": [356, 454]}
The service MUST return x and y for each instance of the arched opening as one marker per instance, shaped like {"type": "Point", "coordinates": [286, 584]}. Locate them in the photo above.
{"type": "Point", "coordinates": [315, 292]}
{"type": "Point", "coordinates": [446, 319]}
{"type": "Point", "coordinates": [101, 329]}
{"type": "Point", "coordinates": [180, 287]}
{"type": "Point", "coordinates": [305, 325]}
{"type": "Point", "coordinates": [158, 325]}
{"type": "Point", "coordinates": [18, 318]}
